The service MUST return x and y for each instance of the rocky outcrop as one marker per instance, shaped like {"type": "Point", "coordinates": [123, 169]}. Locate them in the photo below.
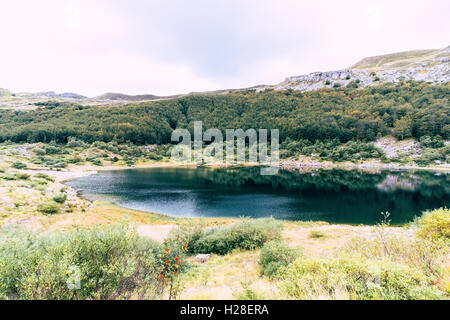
{"type": "Point", "coordinates": [432, 67]}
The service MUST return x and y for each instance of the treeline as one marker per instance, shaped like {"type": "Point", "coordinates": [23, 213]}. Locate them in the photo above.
{"type": "Point", "coordinates": [404, 110]}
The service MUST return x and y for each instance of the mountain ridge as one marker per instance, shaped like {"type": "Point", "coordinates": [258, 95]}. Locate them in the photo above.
{"type": "Point", "coordinates": [429, 65]}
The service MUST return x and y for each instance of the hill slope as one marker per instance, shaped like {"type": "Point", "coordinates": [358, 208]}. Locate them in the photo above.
{"type": "Point", "coordinates": [431, 66]}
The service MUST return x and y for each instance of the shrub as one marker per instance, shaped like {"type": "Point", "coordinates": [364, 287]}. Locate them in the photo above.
{"type": "Point", "coordinates": [274, 255]}
{"type": "Point", "coordinates": [246, 234]}
{"type": "Point", "coordinates": [39, 151]}
{"type": "Point", "coordinates": [347, 278]}
{"type": "Point", "coordinates": [316, 234]}
{"type": "Point", "coordinates": [19, 165]}
{"type": "Point", "coordinates": [73, 142]}
{"type": "Point", "coordinates": [154, 156]}
{"type": "Point", "coordinates": [52, 149]}
{"type": "Point", "coordinates": [35, 183]}
{"type": "Point", "coordinates": [95, 162]}
{"type": "Point", "coordinates": [21, 176]}
{"type": "Point", "coordinates": [75, 159]}
{"type": "Point", "coordinates": [435, 224]}
{"type": "Point", "coordinates": [44, 176]}
{"type": "Point", "coordinates": [48, 207]}
{"type": "Point", "coordinates": [60, 197]}
{"type": "Point", "coordinates": [104, 263]}
{"type": "Point", "coordinates": [14, 176]}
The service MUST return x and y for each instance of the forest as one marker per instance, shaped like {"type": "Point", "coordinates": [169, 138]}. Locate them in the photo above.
{"type": "Point", "coordinates": [404, 110]}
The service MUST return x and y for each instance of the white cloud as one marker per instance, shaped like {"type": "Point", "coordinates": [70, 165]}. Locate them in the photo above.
{"type": "Point", "coordinates": [92, 47]}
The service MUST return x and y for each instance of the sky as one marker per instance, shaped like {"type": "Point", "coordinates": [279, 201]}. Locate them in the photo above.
{"type": "Point", "coordinates": [173, 47]}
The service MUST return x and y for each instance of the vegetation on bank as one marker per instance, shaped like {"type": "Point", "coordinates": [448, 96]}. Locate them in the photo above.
{"type": "Point", "coordinates": [333, 123]}
{"type": "Point", "coordinates": [113, 263]}
{"type": "Point", "coordinates": [116, 263]}
{"type": "Point", "coordinates": [246, 235]}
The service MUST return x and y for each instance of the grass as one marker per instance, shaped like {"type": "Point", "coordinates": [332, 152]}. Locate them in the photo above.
{"type": "Point", "coordinates": [342, 250]}
{"type": "Point", "coordinates": [408, 268]}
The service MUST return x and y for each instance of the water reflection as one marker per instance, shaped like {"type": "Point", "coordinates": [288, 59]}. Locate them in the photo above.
{"type": "Point", "coordinates": [337, 196]}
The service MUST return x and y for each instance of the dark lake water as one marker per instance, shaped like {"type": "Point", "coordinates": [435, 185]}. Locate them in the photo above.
{"type": "Point", "coordinates": [337, 196]}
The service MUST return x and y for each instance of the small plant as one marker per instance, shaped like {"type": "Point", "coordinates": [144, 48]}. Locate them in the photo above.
{"type": "Point", "coordinates": [435, 224]}
{"type": "Point", "coordinates": [44, 176]}
{"type": "Point", "coordinates": [96, 162]}
{"type": "Point", "coordinates": [49, 207]}
{"type": "Point", "coordinates": [173, 262]}
{"type": "Point", "coordinates": [247, 235]}
{"type": "Point", "coordinates": [14, 176]}
{"type": "Point", "coordinates": [18, 165]}
{"type": "Point", "coordinates": [275, 255]}
{"type": "Point", "coordinates": [382, 232]}
{"type": "Point", "coordinates": [316, 234]}
{"type": "Point", "coordinates": [60, 197]}
{"type": "Point", "coordinates": [51, 149]}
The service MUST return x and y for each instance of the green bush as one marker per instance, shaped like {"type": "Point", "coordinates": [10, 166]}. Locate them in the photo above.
{"type": "Point", "coordinates": [73, 142]}
{"type": "Point", "coordinates": [39, 151]}
{"type": "Point", "coordinates": [154, 156]}
{"type": "Point", "coordinates": [431, 142]}
{"type": "Point", "coordinates": [435, 224]}
{"type": "Point", "coordinates": [51, 149]}
{"type": "Point", "coordinates": [48, 207]}
{"type": "Point", "coordinates": [347, 278]}
{"type": "Point", "coordinates": [95, 162]}
{"type": "Point", "coordinates": [109, 262]}
{"type": "Point", "coordinates": [275, 255]}
{"type": "Point", "coordinates": [19, 165]}
{"type": "Point", "coordinates": [331, 149]}
{"type": "Point", "coordinates": [38, 182]}
{"type": "Point", "coordinates": [44, 176]}
{"type": "Point", "coordinates": [246, 234]}
{"type": "Point", "coordinates": [60, 197]}
{"type": "Point", "coordinates": [14, 176]}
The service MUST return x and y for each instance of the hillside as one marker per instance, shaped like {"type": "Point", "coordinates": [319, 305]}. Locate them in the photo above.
{"type": "Point", "coordinates": [401, 59]}
{"type": "Point", "coordinates": [431, 66]}
{"type": "Point", "coordinates": [344, 114]}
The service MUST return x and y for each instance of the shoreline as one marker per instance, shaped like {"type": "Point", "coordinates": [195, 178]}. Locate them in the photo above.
{"type": "Point", "coordinates": [75, 174]}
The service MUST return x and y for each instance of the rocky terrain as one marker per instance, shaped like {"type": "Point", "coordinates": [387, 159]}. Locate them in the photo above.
{"type": "Point", "coordinates": [427, 65]}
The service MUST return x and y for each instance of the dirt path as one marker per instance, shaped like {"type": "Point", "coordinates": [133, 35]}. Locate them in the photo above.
{"type": "Point", "coordinates": [157, 232]}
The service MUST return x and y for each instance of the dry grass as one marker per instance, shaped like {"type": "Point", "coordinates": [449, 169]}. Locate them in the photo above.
{"type": "Point", "coordinates": [227, 277]}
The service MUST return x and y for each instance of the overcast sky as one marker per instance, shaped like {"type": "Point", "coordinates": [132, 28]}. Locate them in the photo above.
{"type": "Point", "coordinates": [168, 47]}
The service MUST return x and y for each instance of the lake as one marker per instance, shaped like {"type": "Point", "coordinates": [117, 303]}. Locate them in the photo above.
{"type": "Point", "coordinates": [335, 196]}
